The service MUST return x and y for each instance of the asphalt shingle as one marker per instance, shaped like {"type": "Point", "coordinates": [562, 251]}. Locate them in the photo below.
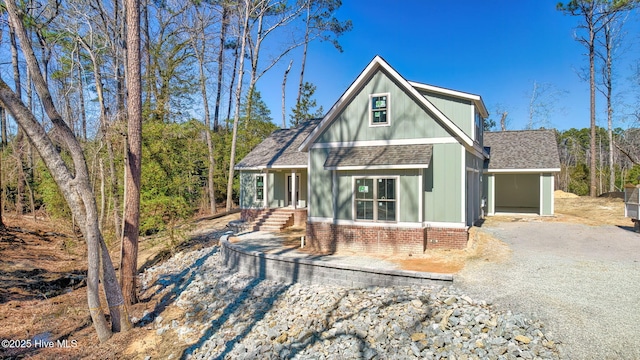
{"type": "Point", "coordinates": [280, 148]}
{"type": "Point", "coordinates": [525, 149]}
{"type": "Point", "coordinates": [379, 156]}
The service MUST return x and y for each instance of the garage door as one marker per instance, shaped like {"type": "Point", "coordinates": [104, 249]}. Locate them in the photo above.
{"type": "Point", "coordinates": [517, 193]}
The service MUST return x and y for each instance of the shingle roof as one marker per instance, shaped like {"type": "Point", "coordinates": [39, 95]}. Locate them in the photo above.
{"type": "Point", "coordinates": [379, 156]}
{"type": "Point", "coordinates": [280, 149]}
{"type": "Point", "coordinates": [526, 149]}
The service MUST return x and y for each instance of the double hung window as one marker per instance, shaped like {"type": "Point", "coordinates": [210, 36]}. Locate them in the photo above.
{"type": "Point", "coordinates": [379, 109]}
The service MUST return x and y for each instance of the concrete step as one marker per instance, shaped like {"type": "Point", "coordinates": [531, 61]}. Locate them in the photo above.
{"type": "Point", "coordinates": [267, 228]}
{"type": "Point", "coordinates": [273, 220]}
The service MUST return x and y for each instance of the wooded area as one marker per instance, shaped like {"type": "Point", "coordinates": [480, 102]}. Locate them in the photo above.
{"type": "Point", "coordinates": [106, 120]}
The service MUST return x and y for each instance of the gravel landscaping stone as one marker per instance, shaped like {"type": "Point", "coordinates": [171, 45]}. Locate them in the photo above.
{"type": "Point", "coordinates": [237, 317]}
{"type": "Point", "coordinates": [581, 281]}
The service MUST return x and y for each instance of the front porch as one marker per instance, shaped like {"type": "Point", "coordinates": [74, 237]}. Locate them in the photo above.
{"type": "Point", "coordinates": [271, 200]}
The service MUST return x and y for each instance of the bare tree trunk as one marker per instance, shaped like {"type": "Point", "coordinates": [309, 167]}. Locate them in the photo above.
{"type": "Point", "coordinates": [28, 177]}
{"type": "Point", "coordinates": [284, 83]}
{"type": "Point", "coordinates": [75, 187]}
{"type": "Point", "coordinates": [83, 114]}
{"type": "Point", "coordinates": [129, 261]}
{"type": "Point", "coordinates": [304, 53]}
{"type": "Point", "coordinates": [238, 94]}
{"type": "Point", "coordinates": [104, 130]}
{"type": "Point", "coordinates": [223, 39]}
{"type": "Point", "coordinates": [233, 79]}
{"type": "Point", "coordinates": [103, 196]}
{"type": "Point", "coordinates": [592, 114]}
{"type": "Point", "coordinates": [3, 123]}
{"type": "Point", "coordinates": [147, 53]}
{"type": "Point", "coordinates": [199, 51]}
{"type": "Point", "coordinates": [19, 141]}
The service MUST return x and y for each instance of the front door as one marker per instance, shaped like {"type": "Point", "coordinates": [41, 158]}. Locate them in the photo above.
{"type": "Point", "coordinates": [289, 189]}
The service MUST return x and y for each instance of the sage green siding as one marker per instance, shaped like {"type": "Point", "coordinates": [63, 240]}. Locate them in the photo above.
{"type": "Point", "coordinates": [460, 111]}
{"type": "Point", "coordinates": [443, 188]}
{"type": "Point", "coordinates": [547, 194]}
{"type": "Point", "coordinates": [407, 195]}
{"type": "Point", "coordinates": [489, 182]}
{"type": "Point", "coordinates": [302, 194]}
{"type": "Point", "coordinates": [248, 190]}
{"type": "Point", "coordinates": [407, 119]}
{"type": "Point", "coordinates": [275, 190]}
{"type": "Point", "coordinates": [320, 185]}
{"type": "Point", "coordinates": [473, 187]}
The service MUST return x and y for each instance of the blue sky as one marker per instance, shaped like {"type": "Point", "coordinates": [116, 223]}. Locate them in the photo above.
{"type": "Point", "coordinates": [496, 49]}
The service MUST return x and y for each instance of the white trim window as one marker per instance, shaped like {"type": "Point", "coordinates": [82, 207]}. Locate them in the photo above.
{"type": "Point", "coordinates": [375, 199]}
{"type": "Point", "coordinates": [379, 110]}
{"type": "Point", "coordinates": [260, 187]}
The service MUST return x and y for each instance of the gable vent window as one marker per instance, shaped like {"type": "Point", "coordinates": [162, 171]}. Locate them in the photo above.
{"type": "Point", "coordinates": [379, 109]}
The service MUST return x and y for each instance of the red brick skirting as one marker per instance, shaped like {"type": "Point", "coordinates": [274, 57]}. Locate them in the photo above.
{"type": "Point", "coordinates": [445, 238]}
{"type": "Point", "coordinates": [249, 215]}
{"type": "Point", "coordinates": [299, 217]}
{"type": "Point", "coordinates": [329, 238]}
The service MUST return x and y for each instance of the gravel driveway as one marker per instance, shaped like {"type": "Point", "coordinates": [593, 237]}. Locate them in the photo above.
{"type": "Point", "coordinates": [582, 281]}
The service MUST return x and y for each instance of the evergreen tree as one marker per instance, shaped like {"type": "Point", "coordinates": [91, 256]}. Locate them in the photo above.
{"type": "Point", "coordinates": [304, 109]}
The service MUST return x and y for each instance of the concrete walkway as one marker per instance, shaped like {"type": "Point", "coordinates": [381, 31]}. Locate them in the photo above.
{"type": "Point", "coordinates": [262, 254]}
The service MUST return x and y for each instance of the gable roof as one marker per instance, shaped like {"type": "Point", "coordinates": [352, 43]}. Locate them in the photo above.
{"type": "Point", "coordinates": [280, 149]}
{"type": "Point", "coordinates": [476, 99]}
{"type": "Point", "coordinates": [380, 64]}
{"type": "Point", "coordinates": [522, 150]}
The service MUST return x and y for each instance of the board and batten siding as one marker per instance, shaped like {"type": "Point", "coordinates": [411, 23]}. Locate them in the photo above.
{"type": "Point", "coordinates": [547, 187]}
{"type": "Point", "coordinates": [407, 119]}
{"type": "Point", "coordinates": [320, 185]}
{"type": "Point", "coordinates": [248, 190]}
{"type": "Point", "coordinates": [443, 184]}
{"type": "Point", "coordinates": [407, 192]}
{"type": "Point", "coordinates": [442, 187]}
{"type": "Point", "coordinates": [460, 111]}
{"type": "Point", "coordinates": [489, 191]}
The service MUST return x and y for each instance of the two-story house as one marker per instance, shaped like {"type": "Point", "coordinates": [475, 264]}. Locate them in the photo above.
{"type": "Point", "coordinates": [394, 166]}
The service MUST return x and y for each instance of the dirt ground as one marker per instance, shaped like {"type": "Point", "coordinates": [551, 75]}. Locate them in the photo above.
{"type": "Point", "coordinates": [43, 293]}
{"type": "Point", "coordinates": [43, 267]}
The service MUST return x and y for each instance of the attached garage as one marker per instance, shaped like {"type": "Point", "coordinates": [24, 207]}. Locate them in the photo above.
{"type": "Point", "coordinates": [519, 174]}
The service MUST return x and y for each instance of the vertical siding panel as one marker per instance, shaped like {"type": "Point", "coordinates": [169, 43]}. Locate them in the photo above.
{"type": "Point", "coordinates": [408, 119]}
{"type": "Point", "coordinates": [457, 110]}
{"type": "Point", "coordinates": [320, 182]}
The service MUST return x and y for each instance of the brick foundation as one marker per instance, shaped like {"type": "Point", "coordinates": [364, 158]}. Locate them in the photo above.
{"type": "Point", "coordinates": [329, 238]}
{"type": "Point", "coordinates": [445, 238]}
{"type": "Point", "coordinates": [249, 215]}
{"type": "Point", "coordinates": [299, 217]}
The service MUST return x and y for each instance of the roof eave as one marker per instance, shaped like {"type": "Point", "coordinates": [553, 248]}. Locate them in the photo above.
{"type": "Point", "coordinates": [476, 99]}
{"type": "Point", "coordinates": [528, 170]}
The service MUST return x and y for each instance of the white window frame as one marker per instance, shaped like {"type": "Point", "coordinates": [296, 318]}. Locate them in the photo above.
{"type": "Point", "coordinates": [375, 198]}
{"type": "Point", "coordinates": [388, 109]}
{"type": "Point", "coordinates": [263, 187]}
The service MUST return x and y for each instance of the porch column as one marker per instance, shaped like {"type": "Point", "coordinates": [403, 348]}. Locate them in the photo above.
{"type": "Point", "coordinates": [266, 189]}
{"type": "Point", "coordinates": [293, 189]}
